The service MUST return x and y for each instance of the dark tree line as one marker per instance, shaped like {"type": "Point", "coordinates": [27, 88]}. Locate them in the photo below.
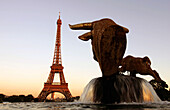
{"type": "Point", "coordinates": [161, 90]}
{"type": "Point", "coordinates": [16, 98]}
{"type": "Point", "coordinates": [28, 98]}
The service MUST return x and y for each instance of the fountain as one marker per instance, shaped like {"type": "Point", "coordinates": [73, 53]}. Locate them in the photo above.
{"type": "Point", "coordinates": [118, 89]}
{"type": "Point", "coordinates": [108, 41]}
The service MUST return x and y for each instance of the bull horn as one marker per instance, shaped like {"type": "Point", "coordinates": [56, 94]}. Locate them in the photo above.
{"type": "Point", "coordinates": [83, 26]}
{"type": "Point", "coordinates": [126, 29]}
{"type": "Point", "coordinates": [86, 36]}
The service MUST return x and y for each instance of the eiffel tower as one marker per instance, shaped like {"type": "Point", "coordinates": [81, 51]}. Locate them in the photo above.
{"type": "Point", "coordinates": [50, 87]}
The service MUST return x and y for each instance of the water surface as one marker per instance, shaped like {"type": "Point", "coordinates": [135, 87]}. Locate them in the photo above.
{"type": "Point", "coordinates": [164, 105]}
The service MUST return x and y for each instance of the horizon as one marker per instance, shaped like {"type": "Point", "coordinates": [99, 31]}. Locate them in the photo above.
{"type": "Point", "coordinates": [28, 33]}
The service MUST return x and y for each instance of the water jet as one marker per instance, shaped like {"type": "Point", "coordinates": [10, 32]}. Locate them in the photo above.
{"type": "Point", "coordinates": [118, 89]}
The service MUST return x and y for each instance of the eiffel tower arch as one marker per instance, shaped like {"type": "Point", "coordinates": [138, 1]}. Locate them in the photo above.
{"type": "Point", "coordinates": [50, 86]}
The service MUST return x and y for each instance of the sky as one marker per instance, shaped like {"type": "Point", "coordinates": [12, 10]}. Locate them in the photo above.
{"type": "Point", "coordinates": [28, 33]}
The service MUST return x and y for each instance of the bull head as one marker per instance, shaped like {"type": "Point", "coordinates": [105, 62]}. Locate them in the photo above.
{"type": "Point", "coordinates": [108, 43]}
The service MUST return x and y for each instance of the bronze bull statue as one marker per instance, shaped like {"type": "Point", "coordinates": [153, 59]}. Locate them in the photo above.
{"type": "Point", "coordinates": [108, 41]}
{"type": "Point", "coordinates": [138, 65]}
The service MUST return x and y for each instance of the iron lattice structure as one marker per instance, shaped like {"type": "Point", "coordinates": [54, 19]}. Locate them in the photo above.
{"type": "Point", "coordinates": [50, 87]}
